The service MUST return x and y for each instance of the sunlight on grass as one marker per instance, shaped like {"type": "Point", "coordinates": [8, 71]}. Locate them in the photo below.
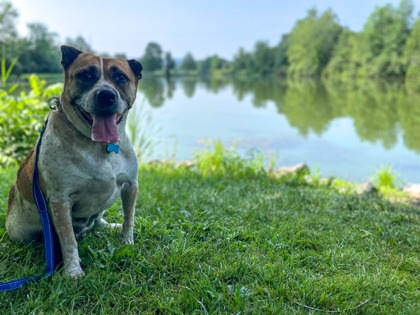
{"type": "Point", "coordinates": [226, 237]}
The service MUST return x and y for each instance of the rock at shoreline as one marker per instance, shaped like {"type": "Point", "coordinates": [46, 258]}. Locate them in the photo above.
{"type": "Point", "coordinates": [285, 170]}
{"type": "Point", "coordinates": [412, 189]}
{"type": "Point", "coordinates": [366, 188]}
{"type": "Point", "coordinates": [188, 164]}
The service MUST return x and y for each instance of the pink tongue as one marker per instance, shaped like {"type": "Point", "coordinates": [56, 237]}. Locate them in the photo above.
{"type": "Point", "coordinates": [104, 128]}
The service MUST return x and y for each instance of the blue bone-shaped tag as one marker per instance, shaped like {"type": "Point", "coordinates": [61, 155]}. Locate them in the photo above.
{"type": "Point", "coordinates": [112, 148]}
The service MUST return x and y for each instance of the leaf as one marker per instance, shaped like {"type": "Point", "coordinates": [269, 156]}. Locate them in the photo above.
{"type": "Point", "coordinates": [13, 87]}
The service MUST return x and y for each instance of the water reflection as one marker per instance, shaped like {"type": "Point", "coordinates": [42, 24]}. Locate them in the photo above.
{"type": "Point", "coordinates": [380, 110]}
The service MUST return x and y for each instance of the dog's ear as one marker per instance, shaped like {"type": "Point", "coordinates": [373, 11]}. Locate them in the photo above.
{"type": "Point", "coordinates": [69, 55]}
{"type": "Point", "coordinates": [136, 67]}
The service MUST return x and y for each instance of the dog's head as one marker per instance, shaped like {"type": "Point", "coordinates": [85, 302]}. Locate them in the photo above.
{"type": "Point", "coordinates": [98, 92]}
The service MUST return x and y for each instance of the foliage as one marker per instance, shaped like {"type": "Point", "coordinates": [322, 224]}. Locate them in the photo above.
{"type": "Point", "coordinates": [21, 118]}
{"type": "Point", "coordinates": [169, 64]}
{"type": "Point", "coordinates": [385, 177]}
{"type": "Point", "coordinates": [411, 51]}
{"type": "Point", "coordinates": [8, 16]}
{"type": "Point", "coordinates": [281, 61]}
{"type": "Point", "coordinates": [222, 161]}
{"type": "Point", "coordinates": [312, 41]}
{"type": "Point", "coordinates": [5, 72]}
{"type": "Point", "coordinates": [188, 63]}
{"type": "Point", "coordinates": [80, 43]}
{"type": "Point", "coordinates": [152, 58]}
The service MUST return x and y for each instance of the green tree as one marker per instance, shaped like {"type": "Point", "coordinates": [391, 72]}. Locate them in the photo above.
{"type": "Point", "coordinates": [188, 63]}
{"type": "Point", "coordinates": [205, 67]}
{"type": "Point", "coordinates": [40, 50]}
{"type": "Point", "coordinates": [240, 60]}
{"type": "Point", "coordinates": [169, 64]}
{"type": "Point", "coordinates": [383, 38]}
{"type": "Point", "coordinates": [263, 59]}
{"type": "Point", "coordinates": [8, 16]}
{"type": "Point", "coordinates": [80, 43]}
{"type": "Point", "coordinates": [281, 62]}
{"type": "Point", "coordinates": [8, 33]}
{"type": "Point", "coordinates": [120, 55]}
{"type": "Point", "coordinates": [342, 63]}
{"type": "Point", "coordinates": [312, 41]}
{"type": "Point", "coordinates": [411, 51]}
{"type": "Point", "coordinates": [152, 58]}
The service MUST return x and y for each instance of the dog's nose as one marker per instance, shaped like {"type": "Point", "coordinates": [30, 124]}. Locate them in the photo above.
{"type": "Point", "coordinates": [106, 98]}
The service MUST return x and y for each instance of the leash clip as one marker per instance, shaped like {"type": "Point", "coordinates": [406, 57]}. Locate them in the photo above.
{"type": "Point", "coordinates": [53, 103]}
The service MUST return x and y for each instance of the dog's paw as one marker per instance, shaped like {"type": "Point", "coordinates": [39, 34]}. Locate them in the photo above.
{"type": "Point", "coordinates": [104, 223]}
{"type": "Point", "coordinates": [75, 273]}
{"type": "Point", "coordinates": [125, 240]}
{"type": "Point", "coordinates": [115, 226]}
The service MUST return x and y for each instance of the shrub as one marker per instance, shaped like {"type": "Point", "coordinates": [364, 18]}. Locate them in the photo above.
{"type": "Point", "coordinates": [21, 118]}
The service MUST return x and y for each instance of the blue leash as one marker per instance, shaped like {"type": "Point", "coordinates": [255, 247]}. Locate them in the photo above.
{"type": "Point", "coordinates": [46, 227]}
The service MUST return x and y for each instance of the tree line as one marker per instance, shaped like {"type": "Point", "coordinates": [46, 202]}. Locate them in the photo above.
{"type": "Point", "coordinates": [387, 46]}
{"type": "Point", "coordinates": [317, 45]}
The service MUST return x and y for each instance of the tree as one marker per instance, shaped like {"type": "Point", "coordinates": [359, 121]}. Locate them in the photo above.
{"type": "Point", "coordinates": [152, 58]}
{"type": "Point", "coordinates": [312, 41]}
{"type": "Point", "coordinates": [188, 63]}
{"type": "Point", "coordinates": [169, 64]}
{"type": "Point", "coordinates": [8, 33]}
{"type": "Point", "coordinates": [80, 43]}
{"type": "Point", "coordinates": [411, 51]}
{"type": "Point", "coordinates": [281, 62]}
{"type": "Point", "coordinates": [8, 16]}
{"type": "Point", "coordinates": [383, 38]}
{"type": "Point", "coordinates": [204, 69]}
{"type": "Point", "coordinates": [41, 54]}
{"type": "Point", "coordinates": [120, 55]}
{"type": "Point", "coordinates": [240, 60]}
{"type": "Point", "coordinates": [263, 59]}
{"type": "Point", "coordinates": [342, 63]}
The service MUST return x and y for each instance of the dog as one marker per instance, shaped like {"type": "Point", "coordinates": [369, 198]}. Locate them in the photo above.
{"type": "Point", "coordinates": [77, 176]}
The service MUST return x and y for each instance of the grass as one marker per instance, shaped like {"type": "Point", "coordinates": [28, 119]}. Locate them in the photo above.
{"type": "Point", "coordinates": [230, 242]}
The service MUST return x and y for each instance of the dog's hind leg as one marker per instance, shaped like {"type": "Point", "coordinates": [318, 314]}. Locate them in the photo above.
{"type": "Point", "coordinates": [23, 223]}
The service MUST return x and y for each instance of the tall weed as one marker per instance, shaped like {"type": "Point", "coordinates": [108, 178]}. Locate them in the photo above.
{"type": "Point", "coordinates": [227, 161]}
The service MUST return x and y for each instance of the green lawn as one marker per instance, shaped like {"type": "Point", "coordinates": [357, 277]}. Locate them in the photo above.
{"type": "Point", "coordinates": [232, 243]}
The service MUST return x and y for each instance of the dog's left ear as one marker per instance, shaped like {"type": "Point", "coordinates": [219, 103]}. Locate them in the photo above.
{"type": "Point", "coordinates": [136, 67]}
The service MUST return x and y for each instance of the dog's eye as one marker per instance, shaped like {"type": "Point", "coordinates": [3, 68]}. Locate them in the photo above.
{"type": "Point", "coordinates": [85, 76]}
{"type": "Point", "coordinates": [121, 78]}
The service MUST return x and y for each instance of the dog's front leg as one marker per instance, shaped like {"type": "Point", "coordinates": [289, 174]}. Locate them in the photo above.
{"type": "Point", "coordinates": [61, 216]}
{"type": "Point", "coordinates": [129, 198]}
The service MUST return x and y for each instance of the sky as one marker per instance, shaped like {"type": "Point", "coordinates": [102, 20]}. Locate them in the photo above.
{"type": "Point", "coordinates": [201, 27]}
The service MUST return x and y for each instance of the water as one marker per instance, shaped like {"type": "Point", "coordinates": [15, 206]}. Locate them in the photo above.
{"type": "Point", "coordinates": [346, 130]}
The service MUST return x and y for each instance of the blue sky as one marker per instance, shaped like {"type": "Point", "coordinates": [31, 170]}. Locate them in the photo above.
{"type": "Point", "coordinates": [200, 27]}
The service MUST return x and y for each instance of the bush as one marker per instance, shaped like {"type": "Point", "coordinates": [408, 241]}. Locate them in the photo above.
{"type": "Point", "coordinates": [21, 118]}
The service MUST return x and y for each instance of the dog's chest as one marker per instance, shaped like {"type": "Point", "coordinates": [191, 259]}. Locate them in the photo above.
{"type": "Point", "coordinates": [95, 190]}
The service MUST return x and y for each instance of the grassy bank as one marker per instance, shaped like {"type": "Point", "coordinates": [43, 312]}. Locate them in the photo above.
{"type": "Point", "coordinates": [231, 239]}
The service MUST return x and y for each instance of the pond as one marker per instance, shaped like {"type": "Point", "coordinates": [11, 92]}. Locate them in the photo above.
{"type": "Point", "coordinates": [344, 130]}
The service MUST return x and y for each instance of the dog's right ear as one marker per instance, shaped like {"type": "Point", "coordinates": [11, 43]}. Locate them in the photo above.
{"type": "Point", "coordinates": [69, 55]}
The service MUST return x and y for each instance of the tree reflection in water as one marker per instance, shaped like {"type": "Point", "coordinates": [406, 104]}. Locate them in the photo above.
{"type": "Point", "coordinates": [380, 110]}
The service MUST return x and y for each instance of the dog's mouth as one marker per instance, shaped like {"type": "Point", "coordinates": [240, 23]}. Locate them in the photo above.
{"type": "Point", "coordinates": [104, 125]}
{"type": "Point", "coordinates": [88, 117]}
